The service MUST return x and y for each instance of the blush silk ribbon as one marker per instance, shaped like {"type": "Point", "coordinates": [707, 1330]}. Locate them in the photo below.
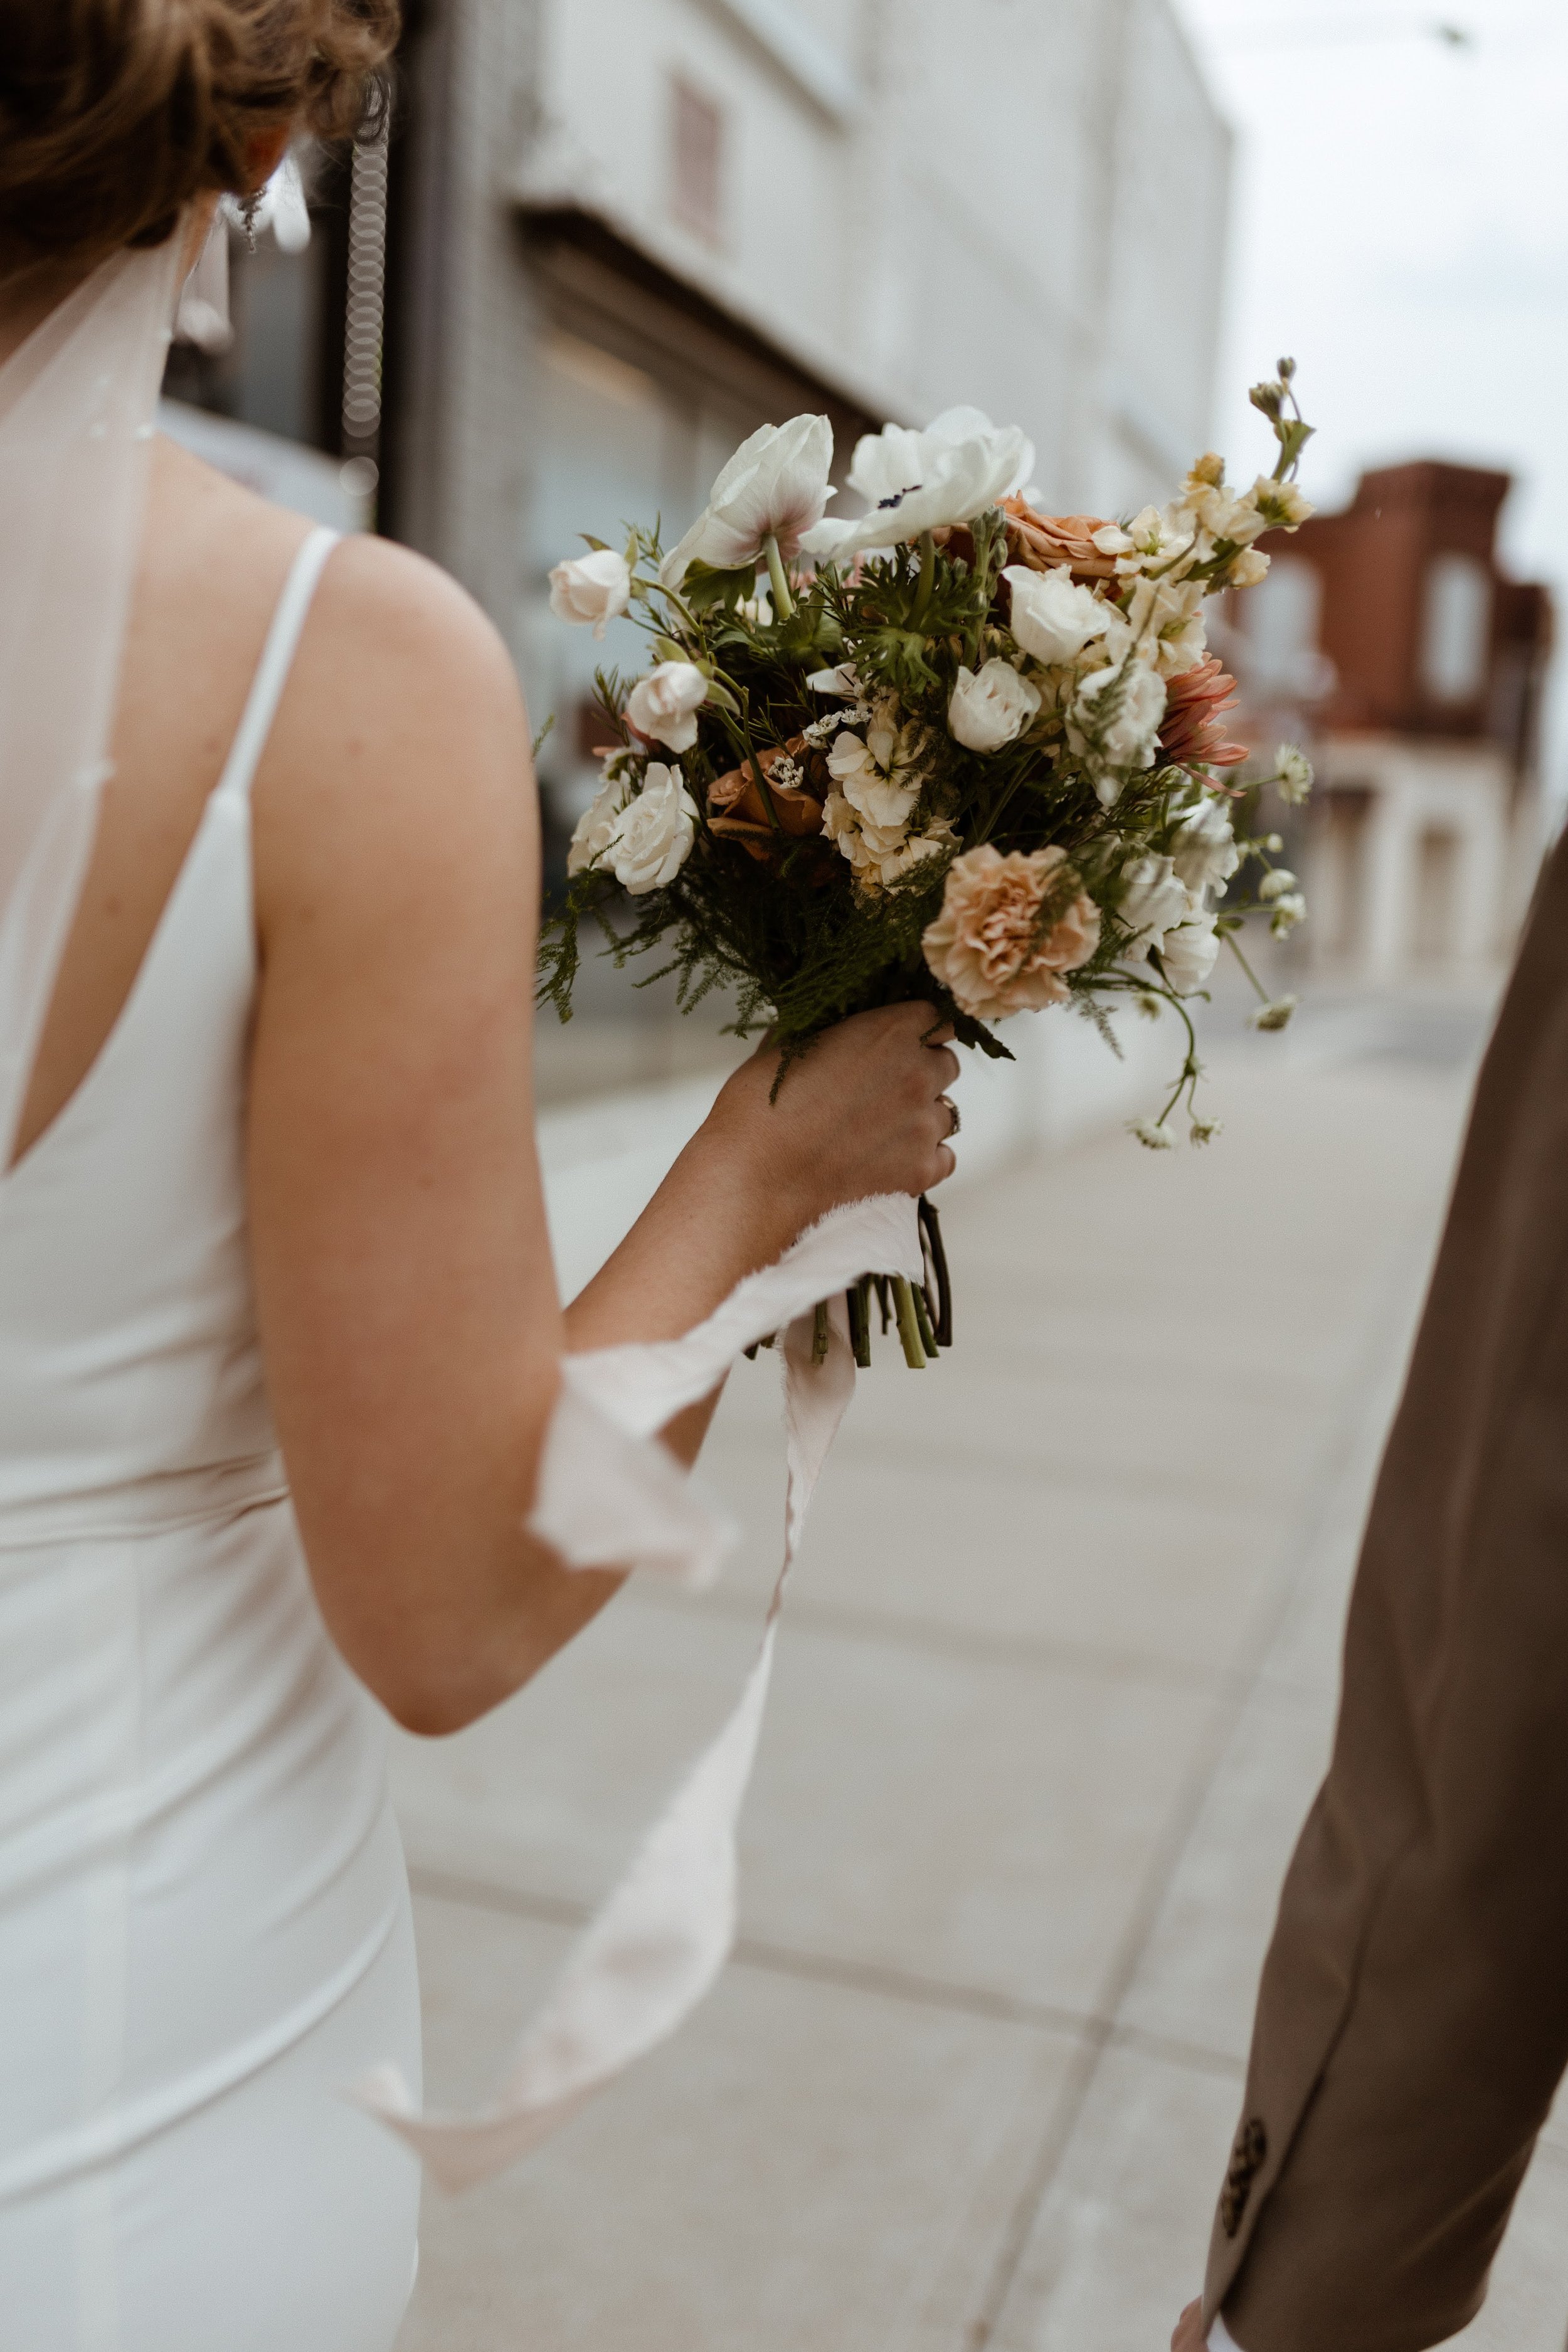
{"type": "Point", "coordinates": [610, 1496]}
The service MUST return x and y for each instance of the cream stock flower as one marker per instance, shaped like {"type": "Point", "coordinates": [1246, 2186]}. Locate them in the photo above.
{"type": "Point", "coordinates": [596, 825]}
{"type": "Point", "coordinates": [1204, 852]}
{"type": "Point", "coordinates": [991, 707]}
{"type": "Point", "coordinates": [879, 791]}
{"type": "Point", "coordinates": [664, 704]}
{"type": "Point", "coordinates": [1053, 618]}
{"type": "Point", "coordinates": [984, 946]}
{"type": "Point", "coordinates": [776, 486]}
{"type": "Point", "coordinates": [1250, 568]}
{"type": "Point", "coordinates": [1280, 504]}
{"type": "Point", "coordinates": [1154, 899]}
{"type": "Point", "coordinates": [1166, 616]}
{"type": "Point", "coordinates": [652, 837]}
{"type": "Point", "coordinates": [1125, 742]}
{"type": "Point", "coordinates": [594, 587]}
{"type": "Point", "coordinates": [1187, 953]}
{"type": "Point", "coordinates": [915, 482]}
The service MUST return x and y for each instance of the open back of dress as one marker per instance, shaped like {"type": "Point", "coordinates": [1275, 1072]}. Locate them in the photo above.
{"type": "Point", "coordinates": [203, 1911]}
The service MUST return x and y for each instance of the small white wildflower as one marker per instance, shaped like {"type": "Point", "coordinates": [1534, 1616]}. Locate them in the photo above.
{"type": "Point", "coordinates": [1275, 1015]}
{"type": "Point", "coordinates": [1272, 842]}
{"type": "Point", "coordinates": [1288, 912]}
{"type": "Point", "coordinates": [1151, 1137]}
{"type": "Point", "coordinates": [1275, 884]}
{"type": "Point", "coordinates": [1204, 1130]}
{"type": "Point", "coordinates": [1151, 1007]}
{"type": "Point", "coordinates": [1294, 773]}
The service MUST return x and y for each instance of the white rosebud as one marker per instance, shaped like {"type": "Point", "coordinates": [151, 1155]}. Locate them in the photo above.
{"type": "Point", "coordinates": [664, 704]}
{"type": "Point", "coordinates": [1053, 617]}
{"type": "Point", "coordinates": [652, 836]}
{"type": "Point", "coordinates": [594, 587]}
{"type": "Point", "coordinates": [1152, 1138]}
{"type": "Point", "coordinates": [1294, 773]}
{"type": "Point", "coordinates": [1275, 884]}
{"type": "Point", "coordinates": [1187, 954]}
{"type": "Point", "coordinates": [993, 707]}
{"type": "Point", "coordinates": [596, 825]}
{"type": "Point", "coordinates": [1205, 848]}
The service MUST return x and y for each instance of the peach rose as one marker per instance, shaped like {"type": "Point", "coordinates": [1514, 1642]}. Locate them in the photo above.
{"type": "Point", "coordinates": [737, 810]}
{"type": "Point", "coordinates": [986, 946]}
{"type": "Point", "coordinates": [1044, 542]}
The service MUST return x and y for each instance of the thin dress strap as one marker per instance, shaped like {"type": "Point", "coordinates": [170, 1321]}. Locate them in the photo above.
{"type": "Point", "coordinates": [272, 670]}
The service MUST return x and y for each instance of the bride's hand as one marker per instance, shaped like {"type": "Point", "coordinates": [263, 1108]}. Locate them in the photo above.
{"type": "Point", "coordinates": [861, 1111]}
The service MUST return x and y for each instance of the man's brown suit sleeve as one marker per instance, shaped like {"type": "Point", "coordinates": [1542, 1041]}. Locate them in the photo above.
{"type": "Point", "coordinates": [1412, 2018]}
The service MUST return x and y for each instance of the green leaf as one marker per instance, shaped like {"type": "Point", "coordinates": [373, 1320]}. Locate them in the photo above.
{"type": "Point", "coordinates": [706, 585]}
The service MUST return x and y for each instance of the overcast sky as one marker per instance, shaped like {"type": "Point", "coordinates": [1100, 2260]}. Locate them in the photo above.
{"type": "Point", "coordinates": [1400, 225]}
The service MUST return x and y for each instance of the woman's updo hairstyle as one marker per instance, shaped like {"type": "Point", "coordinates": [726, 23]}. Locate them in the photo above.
{"type": "Point", "coordinates": [114, 113]}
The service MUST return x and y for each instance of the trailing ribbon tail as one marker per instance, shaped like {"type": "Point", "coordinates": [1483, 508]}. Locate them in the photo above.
{"type": "Point", "coordinates": [608, 1495]}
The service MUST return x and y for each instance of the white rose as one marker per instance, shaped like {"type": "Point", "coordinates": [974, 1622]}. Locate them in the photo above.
{"type": "Point", "coordinates": [992, 707]}
{"type": "Point", "coordinates": [1153, 901]}
{"type": "Point", "coordinates": [596, 587]}
{"type": "Point", "coordinates": [774, 486]}
{"type": "Point", "coordinates": [664, 704]}
{"type": "Point", "coordinates": [651, 839]}
{"type": "Point", "coordinates": [1187, 953]}
{"type": "Point", "coordinates": [596, 825]}
{"type": "Point", "coordinates": [1204, 852]}
{"type": "Point", "coordinates": [915, 482]}
{"type": "Point", "coordinates": [1053, 617]}
{"type": "Point", "coordinates": [1128, 739]}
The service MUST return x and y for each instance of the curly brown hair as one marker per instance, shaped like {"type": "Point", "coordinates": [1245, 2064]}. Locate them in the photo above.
{"type": "Point", "coordinates": [115, 114]}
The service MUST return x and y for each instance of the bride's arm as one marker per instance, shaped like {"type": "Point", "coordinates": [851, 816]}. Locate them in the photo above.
{"type": "Point", "coordinates": [404, 1275]}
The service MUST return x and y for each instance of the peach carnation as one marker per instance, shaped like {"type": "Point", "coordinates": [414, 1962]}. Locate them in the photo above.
{"type": "Point", "coordinates": [986, 946]}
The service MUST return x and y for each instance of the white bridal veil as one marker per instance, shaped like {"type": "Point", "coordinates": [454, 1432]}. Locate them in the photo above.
{"type": "Point", "coordinates": [76, 416]}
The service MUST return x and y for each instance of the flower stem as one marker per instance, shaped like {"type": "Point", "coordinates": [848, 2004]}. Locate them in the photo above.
{"type": "Point", "coordinates": [908, 1329]}
{"type": "Point", "coordinates": [1258, 984]}
{"type": "Point", "coordinates": [784, 603]}
{"type": "Point", "coordinates": [820, 1332]}
{"type": "Point", "coordinates": [927, 580]}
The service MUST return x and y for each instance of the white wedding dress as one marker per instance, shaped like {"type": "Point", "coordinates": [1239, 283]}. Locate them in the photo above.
{"type": "Point", "coordinates": [203, 1911]}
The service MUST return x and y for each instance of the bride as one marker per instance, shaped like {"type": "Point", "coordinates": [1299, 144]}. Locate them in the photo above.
{"type": "Point", "coordinates": [278, 1332]}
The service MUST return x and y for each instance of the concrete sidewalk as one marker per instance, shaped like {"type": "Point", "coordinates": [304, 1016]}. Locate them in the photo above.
{"type": "Point", "coordinates": [1053, 1696]}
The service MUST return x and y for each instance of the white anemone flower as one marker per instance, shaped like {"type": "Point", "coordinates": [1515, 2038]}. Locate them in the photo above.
{"type": "Point", "coordinates": [774, 486]}
{"type": "Point", "coordinates": [915, 482]}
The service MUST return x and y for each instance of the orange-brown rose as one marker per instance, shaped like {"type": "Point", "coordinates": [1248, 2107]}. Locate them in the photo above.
{"type": "Point", "coordinates": [986, 946]}
{"type": "Point", "coordinates": [1046, 542]}
{"type": "Point", "coordinates": [738, 811]}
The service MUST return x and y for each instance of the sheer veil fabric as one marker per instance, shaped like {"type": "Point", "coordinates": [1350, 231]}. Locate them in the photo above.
{"type": "Point", "coordinates": [77, 403]}
{"type": "Point", "coordinates": [77, 400]}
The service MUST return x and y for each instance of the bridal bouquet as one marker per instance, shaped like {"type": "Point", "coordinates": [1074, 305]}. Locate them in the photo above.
{"type": "Point", "coordinates": [976, 754]}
